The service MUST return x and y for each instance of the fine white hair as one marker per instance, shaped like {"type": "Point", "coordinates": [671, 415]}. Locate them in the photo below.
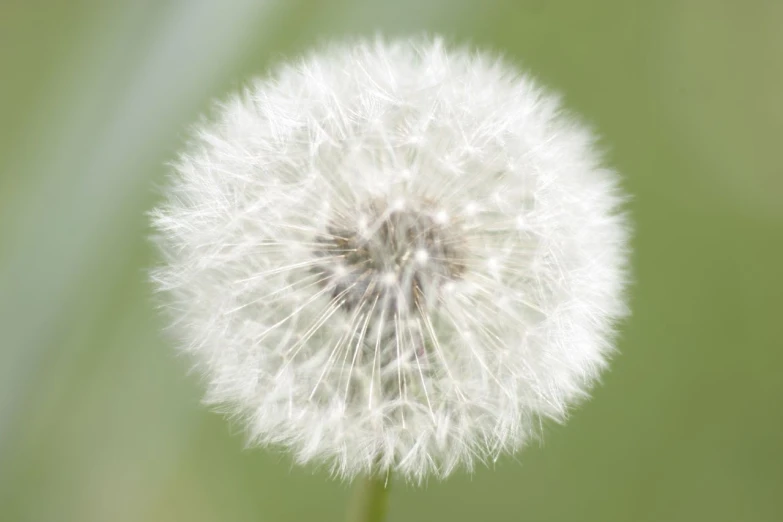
{"type": "Point", "coordinates": [393, 256]}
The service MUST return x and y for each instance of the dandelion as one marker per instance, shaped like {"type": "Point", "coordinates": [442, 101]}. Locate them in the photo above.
{"type": "Point", "coordinates": [394, 256]}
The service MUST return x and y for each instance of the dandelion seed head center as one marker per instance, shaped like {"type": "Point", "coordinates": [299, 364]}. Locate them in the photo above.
{"type": "Point", "coordinates": [395, 257]}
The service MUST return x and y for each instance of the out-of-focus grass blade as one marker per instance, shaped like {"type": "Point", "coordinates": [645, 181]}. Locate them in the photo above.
{"type": "Point", "coordinates": [71, 217]}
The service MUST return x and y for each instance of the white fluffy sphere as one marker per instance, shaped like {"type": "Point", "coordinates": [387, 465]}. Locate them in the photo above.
{"type": "Point", "coordinates": [394, 256]}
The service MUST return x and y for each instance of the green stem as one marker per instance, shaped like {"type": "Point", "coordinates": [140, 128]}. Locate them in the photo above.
{"type": "Point", "coordinates": [370, 500]}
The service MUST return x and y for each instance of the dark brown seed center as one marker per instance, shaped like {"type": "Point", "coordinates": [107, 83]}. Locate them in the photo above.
{"type": "Point", "coordinates": [393, 259]}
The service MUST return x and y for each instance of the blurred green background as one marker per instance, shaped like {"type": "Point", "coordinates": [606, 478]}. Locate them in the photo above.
{"type": "Point", "coordinates": [99, 420]}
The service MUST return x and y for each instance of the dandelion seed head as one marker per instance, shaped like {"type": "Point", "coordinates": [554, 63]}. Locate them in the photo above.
{"type": "Point", "coordinates": [394, 256]}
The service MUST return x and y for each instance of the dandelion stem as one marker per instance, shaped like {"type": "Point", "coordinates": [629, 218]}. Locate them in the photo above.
{"type": "Point", "coordinates": [370, 499]}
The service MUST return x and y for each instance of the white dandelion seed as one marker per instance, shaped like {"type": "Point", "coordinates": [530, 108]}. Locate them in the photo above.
{"type": "Point", "coordinates": [394, 256]}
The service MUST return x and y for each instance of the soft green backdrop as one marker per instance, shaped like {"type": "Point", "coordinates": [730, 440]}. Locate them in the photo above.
{"type": "Point", "coordinates": [99, 420]}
